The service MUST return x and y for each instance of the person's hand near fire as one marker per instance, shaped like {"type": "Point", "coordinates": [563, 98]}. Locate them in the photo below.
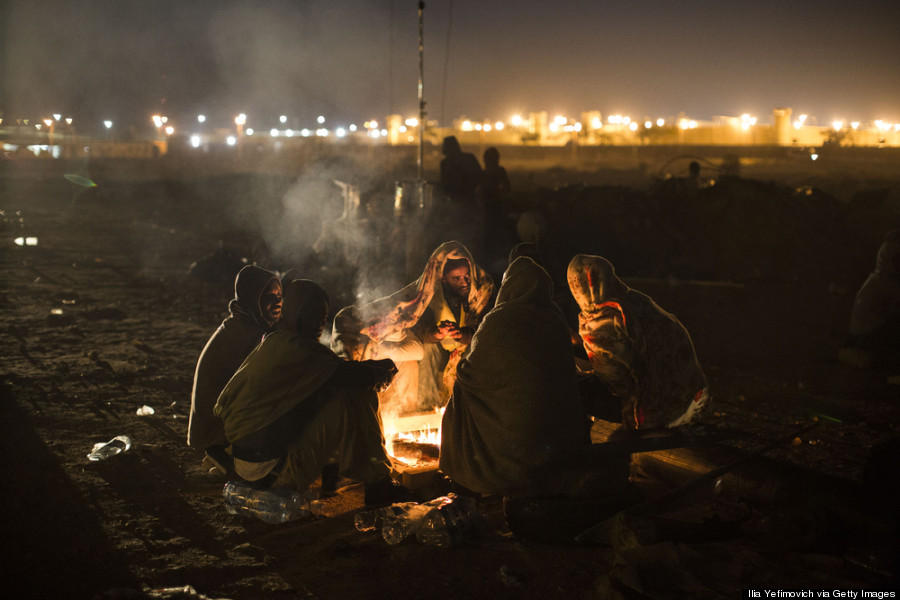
{"type": "Point", "coordinates": [446, 329]}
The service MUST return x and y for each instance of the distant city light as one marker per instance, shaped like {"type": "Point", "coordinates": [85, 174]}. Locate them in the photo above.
{"type": "Point", "coordinates": [157, 120]}
{"type": "Point", "coordinates": [241, 119]}
{"type": "Point", "coordinates": [273, 132]}
{"type": "Point", "coordinates": [854, 125]}
{"type": "Point", "coordinates": [201, 118]}
{"type": "Point", "coordinates": [48, 122]}
{"type": "Point", "coordinates": [648, 124]}
{"type": "Point", "coordinates": [195, 141]}
{"type": "Point", "coordinates": [838, 125]}
{"type": "Point", "coordinates": [660, 122]}
{"type": "Point", "coordinates": [499, 125]}
{"type": "Point", "coordinates": [633, 126]}
{"type": "Point", "coordinates": [108, 124]}
{"type": "Point", "coordinates": [68, 120]}
{"type": "Point", "coordinates": [322, 132]}
{"type": "Point", "coordinates": [466, 125]}
{"type": "Point", "coordinates": [305, 132]}
{"type": "Point", "coordinates": [249, 131]}
{"type": "Point", "coordinates": [412, 122]}
{"type": "Point", "coordinates": [516, 120]}
{"type": "Point", "coordinates": [57, 116]}
{"type": "Point", "coordinates": [231, 140]}
{"type": "Point", "coordinates": [283, 118]}
{"type": "Point", "coordinates": [320, 120]}
{"type": "Point", "coordinates": [170, 130]}
{"type": "Point", "coordinates": [814, 156]}
{"type": "Point", "coordinates": [289, 132]}
{"type": "Point", "coordinates": [353, 127]}
{"type": "Point", "coordinates": [340, 132]}
{"type": "Point", "coordinates": [596, 123]}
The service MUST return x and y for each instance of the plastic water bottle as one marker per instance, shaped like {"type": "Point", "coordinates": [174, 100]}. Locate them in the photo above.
{"type": "Point", "coordinates": [117, 445]}
{"type": "Point", "coordinates": [271, 506]}
{"type": "Point", "coordinates": [369, 520]}
{"type": "Point", "coordinates": [398, 527]}
{"type": "Point", "coordinates": [449, 524]}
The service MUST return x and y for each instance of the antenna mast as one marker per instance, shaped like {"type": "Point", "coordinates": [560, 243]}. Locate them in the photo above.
{"type": "Point", "coordinates": [421, 159]}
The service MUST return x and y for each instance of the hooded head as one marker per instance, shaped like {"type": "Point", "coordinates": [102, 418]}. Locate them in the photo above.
{"type": "Point", "coordinates": [593, 281]}
{"type": "Point", "coordinates": [888, 259]}
{"type": "Point", "coordinates": [306, 307]}
{"type": "Point", "coordinates": [525, 282]}
{"type": "Point", "coordinates": [257, 296]}
{"type": "Point", "coordinates": [451, 146]}
{"type": "Point", "coordinates": [491, 158]}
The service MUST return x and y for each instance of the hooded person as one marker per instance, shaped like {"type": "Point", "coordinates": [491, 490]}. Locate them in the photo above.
{"type": "Point", "coordinates": [642, 354]}
{"type": "Point", "coordinates": [294, 405]}
{"type": "Point", "coordinates": [254, 311]}
{"type": "Point", "coordinates": [425, 327]}
{"type": "Point", "coordinates": [515, 418]}
{"type": "Point", "coordinates": [874, 336]}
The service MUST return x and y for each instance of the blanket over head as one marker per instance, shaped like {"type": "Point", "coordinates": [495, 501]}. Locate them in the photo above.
{"type": "Point", "coordinates": [515, 410]}
{"type": "Point", "coordinates": [642, 353]}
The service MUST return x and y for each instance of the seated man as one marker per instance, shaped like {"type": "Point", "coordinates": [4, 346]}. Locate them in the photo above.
{"type": "Point", "coordinates": [514, 423]}
{"type": "Point", "coordinates": [294, 404]}
{"type": "Point", "coordinates": [642, 355]}
{"type": "Point", "coordinates": [874, 338]}
{"type": "Point", "coordinates": [426, 326]}
{"type": "Point", "coordinates": [255, 309]}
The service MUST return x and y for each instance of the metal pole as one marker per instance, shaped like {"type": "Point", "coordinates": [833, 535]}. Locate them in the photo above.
{"type": "Point", "coordinates": [421, 159]}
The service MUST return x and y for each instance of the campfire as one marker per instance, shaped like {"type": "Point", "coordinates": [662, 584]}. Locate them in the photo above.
{"type": "Point", "coordinates": [413, 439]}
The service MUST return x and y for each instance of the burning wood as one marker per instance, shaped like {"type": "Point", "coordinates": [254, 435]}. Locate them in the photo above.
{"type": "Point", "coordinates": [413, 450]}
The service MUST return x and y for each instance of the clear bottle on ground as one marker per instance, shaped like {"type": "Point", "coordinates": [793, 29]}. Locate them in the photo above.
{"type": "Point", "coordinates": [450, 523]}
{"type": "Point", "coordinates": [271, 506]}
{"type": "Point", "coordinates": [369, 520]}
{"type": "Point", "coordinates": [398, 527]}
{"type": "Point", "coordinates": [117, 445]}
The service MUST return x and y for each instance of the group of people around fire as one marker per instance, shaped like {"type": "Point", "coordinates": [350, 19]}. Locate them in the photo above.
{"type": "Point", "coordinates": [276, 407]}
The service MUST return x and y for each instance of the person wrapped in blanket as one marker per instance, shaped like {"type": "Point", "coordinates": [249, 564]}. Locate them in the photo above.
{"type": "Point", "coordinates": [514, 424]}
{"type": "Point", "coordinates": [254, 311]}
{"type": "Point", "coordinates": [874, 334]}
{"type": "Point", "coordinates": [642, 355]}
{"type": "Point", "coordinates": [425, 328]}
{"type": "Point", "coordinates": [294, 405]}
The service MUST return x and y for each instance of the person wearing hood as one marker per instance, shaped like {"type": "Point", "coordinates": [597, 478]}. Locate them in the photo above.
{"type": "Point", "coordinates": [515, 419]}
{"type": "Point", "coordinates": [253, 312]}
{"type": "Point", "coordinates": [640, 353]}
{"type": "Point", "coordinates": [425, 327]}
{"type": "Point", "coordinates": [293, 405]}
{"type": "Point", "coordinates": [874, 336]}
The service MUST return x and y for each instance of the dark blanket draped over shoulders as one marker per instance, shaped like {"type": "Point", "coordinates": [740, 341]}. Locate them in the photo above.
{"type": "Point", "coordinates": [515, 410]}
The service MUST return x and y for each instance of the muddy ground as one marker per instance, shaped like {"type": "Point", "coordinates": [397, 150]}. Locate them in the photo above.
{"type": "Point", "coordinates": [100, 318]}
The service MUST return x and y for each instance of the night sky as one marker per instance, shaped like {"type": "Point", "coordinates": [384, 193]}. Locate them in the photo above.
{"type": "Point", "coordinates": [352, 60]}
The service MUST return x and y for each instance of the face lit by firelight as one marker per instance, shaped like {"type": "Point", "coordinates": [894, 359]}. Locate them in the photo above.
{"type": "Point", "coordinates": [458, 280]}
{"type": "Point", "coordinates": [270, 302]}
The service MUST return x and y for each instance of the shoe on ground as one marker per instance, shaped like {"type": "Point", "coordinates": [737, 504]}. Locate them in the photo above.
{"type": "Point", "coordinates": [218, 462]}
{"type": "Point", "coordinates": [387, 491]}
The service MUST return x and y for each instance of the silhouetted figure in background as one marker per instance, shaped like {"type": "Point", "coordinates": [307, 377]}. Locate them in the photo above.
{"type": "Point", "coordinates": [459, 218]}
{"type": "Point", "coordinates": [492, 193]}
{"type": "Point", "coordinates": [874, 338]}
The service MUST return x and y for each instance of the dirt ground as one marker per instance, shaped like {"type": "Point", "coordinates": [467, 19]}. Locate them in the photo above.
{"type": "Point", "coordinates": [100, 318]}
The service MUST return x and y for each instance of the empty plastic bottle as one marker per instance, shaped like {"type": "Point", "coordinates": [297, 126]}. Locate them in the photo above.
{"type": "Point", "coordinates": [368, 520]}
{"type": "Point", "coordinates": [449, 524]}
{"type": "Point", "coordinates": [271, 506]}
{"type": "Point", "coordinates": [117, 445]}
{"type": "Point", "coordinates": [398, 527]}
